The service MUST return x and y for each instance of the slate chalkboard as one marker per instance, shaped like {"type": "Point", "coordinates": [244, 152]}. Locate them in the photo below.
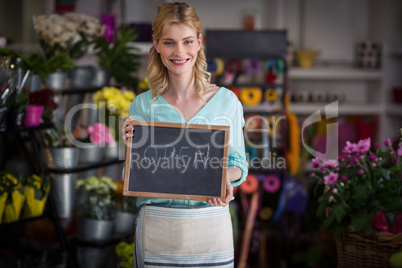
{"type": "Point", "coordinates": [177, 161]}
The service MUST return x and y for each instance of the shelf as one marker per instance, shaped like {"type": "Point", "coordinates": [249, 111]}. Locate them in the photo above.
{"type": "Point", "coordinates": [394, 109]}
{"type": "Point", "coordinates": [334, 73]}
{"type": "Point", "coordinates": [70, 91]}
{"type": "Point", "coordinates": [28, 129]}
{"type": "Point", "coordinates": [84, 167]}
{"type": "Point", "coordinates": [343, 109]}
{"type": "Point", "coordinates": [262, 108]}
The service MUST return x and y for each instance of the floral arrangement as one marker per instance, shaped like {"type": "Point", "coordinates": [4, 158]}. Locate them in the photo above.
{"type": "Point", "coordinates": [124, 252]}
{"type": "Point", "coordinates": [116, 101]}
{"type": "Point", "coordinates": [40, 186]}
{"type": "Point", "coordinates": [11, 196]}
{"type": "Point", "coordinates": [44, 97]}
{"type": "Point", "coordinates": [100, 134]}
{"type": "Point", "coordinates": [71, 33]}
{"type": "Point", "coordinates": [96, 193]}
{"type": "Point", "coordinates": [36, 193]}
{"type": "Point", "coordinates": [9, 182]}
{"type": "Point", "coordinates": [362, 190]}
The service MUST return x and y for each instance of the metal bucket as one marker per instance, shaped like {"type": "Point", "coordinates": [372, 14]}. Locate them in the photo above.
{"type": "Point", "coordinates": [101, 77]}
{"type": "Point", "coordinates": [81, 77]}
{"type": "Point", "coordinates": [114, 171]}
{"type": "Point", "coordinates": [64, 157]}
{"type": "Point", "coordinates": [92, 154]}
{"type": "Point", "coordinates": [124, 222]}
{"type": "Point", "coordinates": [94, 230]}
{"type": "Point", "coordinates": [64, 193]}
{"type": "Point", "coordinates": [56, 81]}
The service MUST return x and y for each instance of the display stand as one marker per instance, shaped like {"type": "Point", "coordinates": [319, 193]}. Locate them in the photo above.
{"type": "Point", "coordinates": [37, 167]}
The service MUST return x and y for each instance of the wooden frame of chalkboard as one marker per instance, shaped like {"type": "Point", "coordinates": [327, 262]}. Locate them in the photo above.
{"type": "Point", "coordinates": [177, 161]}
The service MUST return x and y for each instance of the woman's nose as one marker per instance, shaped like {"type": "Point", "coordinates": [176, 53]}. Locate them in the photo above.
{"type": "Point", "coordinates": [179, 50]}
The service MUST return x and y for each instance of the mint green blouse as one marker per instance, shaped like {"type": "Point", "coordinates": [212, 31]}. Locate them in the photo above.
{"type": "Point", "coordinates": [223, 108]}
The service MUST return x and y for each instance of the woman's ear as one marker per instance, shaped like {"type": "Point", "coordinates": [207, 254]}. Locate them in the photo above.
{"type": "Point", "coordinates": [155, 44]}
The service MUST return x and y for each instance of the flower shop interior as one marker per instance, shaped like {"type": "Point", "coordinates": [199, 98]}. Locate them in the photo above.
{"type": "Point", "coordinates": [321, 87]}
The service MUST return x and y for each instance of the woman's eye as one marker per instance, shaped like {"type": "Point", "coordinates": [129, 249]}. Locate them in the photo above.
{"type": "Point", "coordinates": [168, 43]}
{"type": "Point", "coordinates": [188, 42]}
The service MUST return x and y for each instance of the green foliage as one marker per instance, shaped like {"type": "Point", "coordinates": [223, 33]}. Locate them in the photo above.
{"type": "Point", "coordinates": [37, 64]}
{"type": "Point", "coordinates": [119, 57]}
{"type": "Point", "coordinates": [18, 99]}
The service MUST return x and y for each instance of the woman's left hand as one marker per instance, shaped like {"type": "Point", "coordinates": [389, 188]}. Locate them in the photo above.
{"type": "Point", "coordinates": [229, 196]}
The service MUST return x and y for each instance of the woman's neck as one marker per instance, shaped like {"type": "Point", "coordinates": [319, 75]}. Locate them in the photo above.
{"type": "Point", "coordinates": [180, 86]}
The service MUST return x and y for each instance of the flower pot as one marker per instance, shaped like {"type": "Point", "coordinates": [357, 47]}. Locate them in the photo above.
{"type": "Point", "coordinates": [124, 222]}
{"type": "Point", "coordinates": [64, 192]}
{"type": "Point", "coordinates": [115, 151]}
{"type": "Point", "coordinates": [94, 230]}
{"type": "Point", "coordinates": [101, 77]}
{"type": "Point", "coordinates": [81, 77]}
{"type": "Point", "coordinates": [64, 157]}
{"type": "Point", "coordinates": [33, 115]}
{"type": "Point", "coordinates": [90, 154]}
{"type": "Point", "coordinates": [114, 171]}
{"type": "Point", "coordinates": [56, 81]}
{"type": "Point", "coordinates": [35, 83]}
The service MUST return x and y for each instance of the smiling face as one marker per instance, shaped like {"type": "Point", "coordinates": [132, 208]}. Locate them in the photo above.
{"type": "Point", "coordinates": [178, 49]}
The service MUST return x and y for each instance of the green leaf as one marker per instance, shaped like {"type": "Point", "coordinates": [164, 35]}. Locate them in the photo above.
{"type": "Point", "coordinates": [362, 222]}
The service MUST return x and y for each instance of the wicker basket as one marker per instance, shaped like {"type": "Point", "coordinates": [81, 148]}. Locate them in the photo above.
{"type": "Point", "coordinates": [367, 250]}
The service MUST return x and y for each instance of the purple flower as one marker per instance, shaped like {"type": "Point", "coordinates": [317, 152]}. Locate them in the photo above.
{"type": "Point", "coordinates": [387, 142]}
{"type": "Point", "coordinates": [331, 178]}
{"type": "Point", "coordinates": [311, 175]}
{"type": "Point", "coordinates": [363, 146]}
{"type": "Point", "coordinates": [360, 171]}
{"type": "Point", "coordinates": [315, 162]}
{"type": "Point", "coordinates": [350, 148]}
{"type": "Point", "coordinates": [330, 164]}
{"type": "Point", "coordinates": [344, 177]}
{"type": "Point", "coordinates": [399, 151]}
{"type": "Point", "coordinates": [376, 145]}
{"type": "Point", "coordinates": [372, 157]}
{"type": "Point", "coordinates": [354, 160]}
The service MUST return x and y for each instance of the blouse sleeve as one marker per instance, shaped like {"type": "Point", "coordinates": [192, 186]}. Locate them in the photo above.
{"type": "Point", "coordinates": [237, 153]}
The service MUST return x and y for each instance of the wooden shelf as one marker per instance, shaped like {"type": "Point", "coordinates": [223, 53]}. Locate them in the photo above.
{"type": "Point", "coordinates": [334, 73]}
{"type": "Point", "coordinates": [343, 109]}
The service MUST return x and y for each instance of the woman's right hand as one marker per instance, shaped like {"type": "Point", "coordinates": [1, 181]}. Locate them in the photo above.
{"type": "Point", "coordinates": [127, 129]}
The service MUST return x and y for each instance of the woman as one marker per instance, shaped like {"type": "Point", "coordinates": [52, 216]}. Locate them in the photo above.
{"type": "Point", "coordinates": [181, 232]}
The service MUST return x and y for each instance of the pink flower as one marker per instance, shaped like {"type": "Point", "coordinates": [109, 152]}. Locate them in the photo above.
{"type": "Point", "coordinates": [311, 175]}
{"type": "Point", "coordinates": [350, 148]}
{"type": "Point", "coordinates": [363, 146]}
{"type": "Point", "coordinates": [99, 134]}
{"type": "Point", "coordinates": [315, 162]}
{"type": "Point", "coordinates": [344, 177]}
{"type": "Point", "coordinates": [334, 190]}
{"type": "Point", "coordinates": [331, 178]}
{"type": "Point", "coordinates": [399, 151]}
{"type": "Point", "coordinates": [360, 171]}
{"type": "Point", "coordinates": [380, 222]}
{"type": "Point", "coordinates": [376, 145]}
{"type": "Point", "coordinates": [372, 157]}
{"type": "Point", "coordinates": [330, 164]}
{"type": "Point", "coordinates": [387, 142]}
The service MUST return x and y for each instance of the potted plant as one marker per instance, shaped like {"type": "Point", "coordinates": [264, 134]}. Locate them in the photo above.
{"type": "Point", "coordinates": [95, 222]}
{"type": "Point", "coordinates": [71, 34]}
{"type": "Point", "coordinates": [11, 196]}
{"type": "Point", "coordinates": [44, 98]}
{"type": "Point", "coordinates": [114, 104]}
{"type": "Point", "coordinates": [59, 153]}
{"type": "Point", "coordinates": [36, 192]}
{"type": "Point", "coordinates": [361, 205]}
{"type": "Point", "coordinates": [119, 57]}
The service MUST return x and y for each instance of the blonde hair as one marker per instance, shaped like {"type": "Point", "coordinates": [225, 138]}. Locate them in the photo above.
{"type": "Point", "coordinates": [168, 14]}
